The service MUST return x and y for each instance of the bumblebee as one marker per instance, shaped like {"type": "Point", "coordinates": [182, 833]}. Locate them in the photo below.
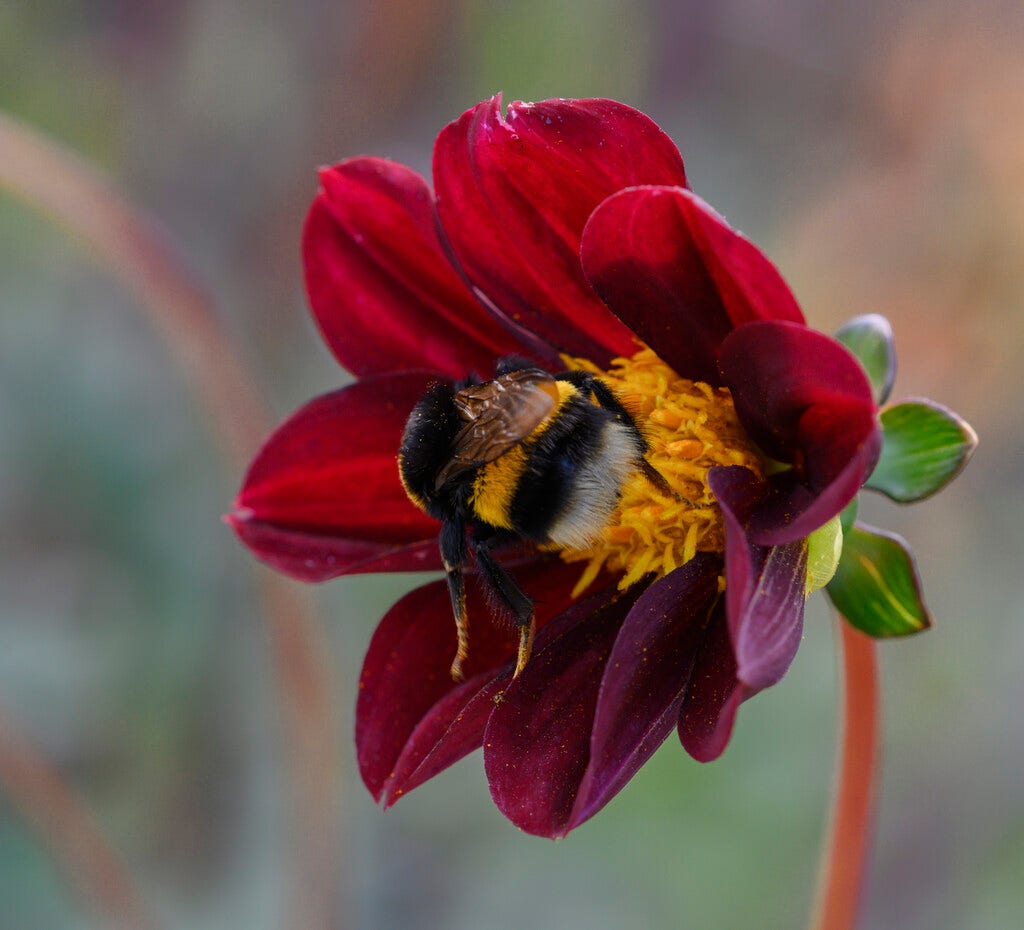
{"type": "Point", "coordinates": [529, 456]}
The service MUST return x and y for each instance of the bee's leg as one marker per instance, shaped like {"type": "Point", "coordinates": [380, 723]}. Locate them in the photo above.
{"type": "Point", "coordinates": [508, 592]}
{"type": "Point", "coordinates": [656, 478]}
{"type": "Point", "coordinates": [453, 555]}
{"type": "Point", "coordinates": [607, 399]}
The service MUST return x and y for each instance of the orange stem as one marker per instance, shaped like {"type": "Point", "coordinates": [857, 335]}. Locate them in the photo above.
{"type": "Point", "coordinates": [846, 855]}
{"type": "Point", "coordinates": [137, 251]}
{"type": "Point", "coordinates": [67, 828]}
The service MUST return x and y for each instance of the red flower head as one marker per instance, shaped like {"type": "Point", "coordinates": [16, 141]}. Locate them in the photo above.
{"type": "Point", "coordinates": [563, 233]}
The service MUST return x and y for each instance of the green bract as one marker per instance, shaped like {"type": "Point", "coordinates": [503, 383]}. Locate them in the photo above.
{"type": "Point", "coordinates": [824, 549]}
{"type": "Point", "coordinates": [869, 338]}
{"type": "Point", "coordinates": [848, 515]}
{"type": "Point", "coordinates": [924, 447]}
{"type": "Point", "coordinates": [876, 586]}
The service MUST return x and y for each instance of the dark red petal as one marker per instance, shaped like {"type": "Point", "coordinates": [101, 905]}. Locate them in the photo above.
{"type": "Point", "coordinates": [412, 720]}
{"type": "Point", "coordinates": [312, 557]}
{"type": "Point", "coordinates": [764, 585]}
{"type": "Point", "coordinates": [452, 729]}
{"type": "Point", "coordinates": [383, 293]}
{"type": "Point", "coordinates": [323, 494]}
{"type": "Point", "coordinates": [537, 742]}
{"type": "Point", "coordinates": [646, 680]}
{"type": "Point", "coordinates": [805, 401]}
{"type": "Point", "coordinates": [515, 193]}
{"type": "Point", "coordinates": [674, 272]}
{"type": "Point", "coordinates": [715, 694]}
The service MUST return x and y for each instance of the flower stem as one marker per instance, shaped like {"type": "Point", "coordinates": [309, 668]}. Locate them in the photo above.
{"type": "Point", "coordinates": [131, 246]}
{"type": "Point", "coordinates": [70, 833]}
{"type": "Point", "coordinates": [845, 856]}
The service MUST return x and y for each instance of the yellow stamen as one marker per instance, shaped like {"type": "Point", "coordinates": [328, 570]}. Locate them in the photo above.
{"type": "Point", "coordinates": [685, 448]}
{"type": "Point", "coordinates": [690, 427]}
{"type": "Point", "coordinates": [619, 534]}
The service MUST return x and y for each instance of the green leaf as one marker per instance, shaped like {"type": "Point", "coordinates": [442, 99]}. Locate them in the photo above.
{"type": "Point", "coordinates": [848, 515]}
{"type": "Point", "coordinates": [869, 338]}
{"type": "Point", "coordinates": [876, 586]}
{"type": "Point", "coordinates": [925, 446]}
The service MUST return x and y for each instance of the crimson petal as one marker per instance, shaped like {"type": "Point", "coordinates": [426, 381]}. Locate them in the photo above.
{"type": "Point", "coordinates": [382, 291]}
{"type": "Point", "coordinates": [515, 192]}
{"type": "Point", "coordinates": [805, 400]}
{"type": "Point", "coordinates": [708, 714]}
{"type": "Point", "coordinates": [674, 272]}
{"type": "Point", "coordinates": [452, 729]}
{"type": "Point", "coordinates": [412, 720]}
{"type": "Point", "coordinates": [764, 585]}
{"type": "Point", "coordinates": [537, 741]}
{"type": "Point", "coordinates": [646, 680]}
{"type": "Point", "coordinates": [323, 497]}
{"type": "Point", "coordinates": [313, 557]}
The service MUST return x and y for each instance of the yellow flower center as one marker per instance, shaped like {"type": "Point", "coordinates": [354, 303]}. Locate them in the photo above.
{"type": "Point", "coordinates": [690, 427]}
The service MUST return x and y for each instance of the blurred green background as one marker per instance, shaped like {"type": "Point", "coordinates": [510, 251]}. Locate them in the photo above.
{"type": "Point", "coordinates": [874, 150]}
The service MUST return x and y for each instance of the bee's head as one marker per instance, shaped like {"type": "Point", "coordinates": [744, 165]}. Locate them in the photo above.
{"type": "Point", "coordinates": [426, 444]}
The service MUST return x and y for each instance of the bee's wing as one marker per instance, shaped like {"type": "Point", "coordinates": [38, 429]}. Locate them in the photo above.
{"type": "Point", "coordinates": [499, 414]}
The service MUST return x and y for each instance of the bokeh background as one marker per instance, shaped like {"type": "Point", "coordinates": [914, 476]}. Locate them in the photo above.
{"type": "Point", "coordinates": [874, 150]}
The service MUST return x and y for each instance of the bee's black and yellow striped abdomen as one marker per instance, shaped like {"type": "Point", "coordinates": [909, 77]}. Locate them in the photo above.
{"type": "Point", "coordinates": [528, 455]}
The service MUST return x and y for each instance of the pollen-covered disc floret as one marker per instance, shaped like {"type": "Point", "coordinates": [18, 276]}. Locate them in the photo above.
{"type": "Point", "coordinates": [690, 427]}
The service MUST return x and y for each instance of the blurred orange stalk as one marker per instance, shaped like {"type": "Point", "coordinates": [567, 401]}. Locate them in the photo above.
{"type": "Point", "coordinates": [71, 833]}
{"type": "Point", "coordinates": [137, 251]}
{"type": "Point", "coordinates": [844, 863]}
